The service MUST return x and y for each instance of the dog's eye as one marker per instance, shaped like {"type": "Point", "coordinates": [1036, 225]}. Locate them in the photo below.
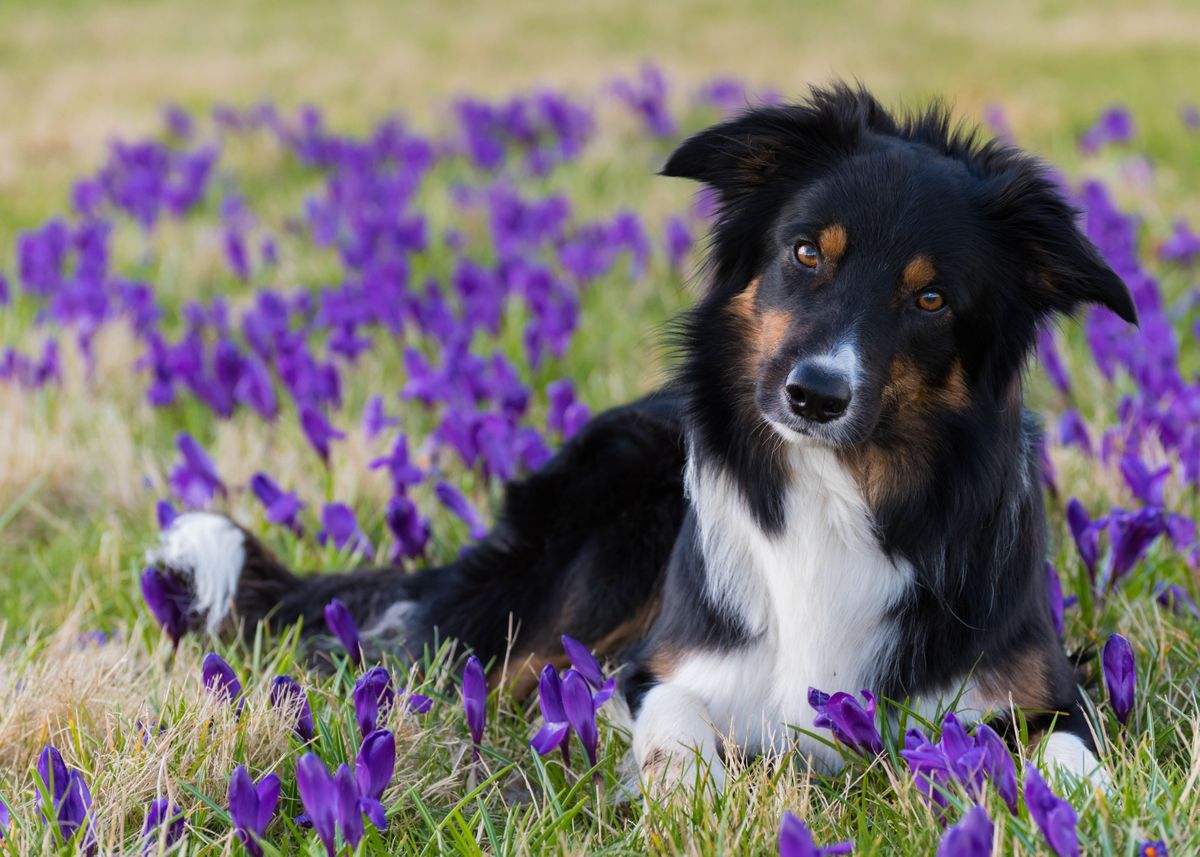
{"type": "Point", "coordinates": [807, 254]}
{"type": "Point", "coordinates": [931, 300]}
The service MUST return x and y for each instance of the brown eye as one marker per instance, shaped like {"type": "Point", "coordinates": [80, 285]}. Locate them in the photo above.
{"type": "Point", "coordinates": [931, 300]}
{"type": "Point", "coordinates": [807, 254]}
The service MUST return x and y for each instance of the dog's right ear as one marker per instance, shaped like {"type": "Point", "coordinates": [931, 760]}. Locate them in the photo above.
{"type": "Point", "coordinates": [793, 142]}
{"type": "Point", "coordinates": [741, 154]}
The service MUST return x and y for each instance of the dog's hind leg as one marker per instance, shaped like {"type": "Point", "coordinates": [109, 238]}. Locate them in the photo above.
{"type": "Point", "coordinates": [579, 548]}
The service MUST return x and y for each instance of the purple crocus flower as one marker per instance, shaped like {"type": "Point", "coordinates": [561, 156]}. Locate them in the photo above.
{"type": "Point", "coordinates": [287, 693]}
{"type": "Point", "coordinates": [349, 814]}
{"type": "Point", "coordinates": [341, 624]}
{"type": "Point", "coordinates": [582, 660]}
{"type": "Point", "coordinates": [1155, 848]}
{"type": "Point", "coordinates": [1052, 361]}
{"type": "Point", "coordinates": [220, 680]}
{"type": "Point", "coordinates": [194, 480]}
{"type": "Point", "coordinates": [409, 526]}
{"type": "Point", "coordinates": [1175, 598]}
{"type": "Point", "coordinates": [318, 430]}
{"type": "Point", "coordinates": [1146, 485]}
{"type": "Point", "coordinates": [580, 710]}
{"type": "Point", "coordinates": [282, 507]}
{"type": "Point", "coordinates": [320, 798]}
{"type": "Point", "coordinates": [339, 525]}
{"type": "Point", "coordinates": [1073, 431]}
{"type": "Point", "coordinates": [678, 241]}
{"type": "Point", "coordinates": [70, 801]}
{"type": "Point", "coordinates": [1189, 115]}
{"type": "Point", "coordinates": [165, 514]}
{"type": "Point", "coordinates": [929, 766]}
{"type": "Point", "coordinates": [1132, 533]}
{"type": "Point", "coordinates": [452, 499]}
{"type": "Point", "coordinates": [1115, 125]}
{"type": "Point", "coordinates": [375, 419]}
{"type": "Point", "coordinates": [555, 729]}
{"type": "Point", "coordinates": [169, 601]}
{"type": "Point", "coordinates": [252, 806]}
{"type": "Point", "coordinates": [1182, 248]}
{"type": "Point", "coordinates": [374, 696]}
{"type": "Point", "coordinates": [474, 696]}
{"type": "Point", "coordinates": [1054, 816]}
{"type": "Point", "coordinates": [647, 98]}
{"type": "Point", "coordinates": [5, 818]}
{"type": "Point", "coordinates": [851, 723]}
{"type": "Point", "coordinates": [1120, 675]}
{"type": "Point", "coordinates": [398, 463]}
{"type": "Point", "coordinates": [162, 814]}
{"type": "Point", "coordinates": [373, 770]}
{"type": "Point", "coordinates": [1085, 532]}
{"type": "Point", "coordinates": [998, 764]}
{"type": "Point", "coordinates": [566, 414]}
{"type": "Point", "coordinates": [795, 840]}
{"type": "Point", "coordinates": [971, 837]}
{"type": "Point", "coordinates": [1055, 597]}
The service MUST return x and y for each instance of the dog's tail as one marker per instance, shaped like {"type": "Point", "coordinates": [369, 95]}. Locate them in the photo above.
{"type": "Point", "coordinates": [579, 548]}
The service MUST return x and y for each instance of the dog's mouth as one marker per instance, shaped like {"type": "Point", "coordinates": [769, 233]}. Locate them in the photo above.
{"type": "Point", "coordinates": [848, 430]}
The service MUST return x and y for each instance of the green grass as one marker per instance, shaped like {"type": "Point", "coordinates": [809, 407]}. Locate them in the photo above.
{"type": "Point", "coordinates": [76, 513]}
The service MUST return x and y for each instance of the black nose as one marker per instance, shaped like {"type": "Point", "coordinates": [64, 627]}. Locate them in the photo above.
{"type": "Point", "coordinates": [817, 392]}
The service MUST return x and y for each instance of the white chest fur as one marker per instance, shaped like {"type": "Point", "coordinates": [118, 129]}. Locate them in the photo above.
{"type": "Point", "coordinates": [814, 596]}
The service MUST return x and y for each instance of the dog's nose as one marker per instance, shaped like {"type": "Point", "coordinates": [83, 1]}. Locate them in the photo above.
{"type": "Point", "coordinates": [817, 392]}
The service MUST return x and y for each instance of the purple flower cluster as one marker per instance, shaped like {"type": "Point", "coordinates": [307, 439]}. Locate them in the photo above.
{"type": "Point", "coordinates": [1115, 126]}
{"type": "Point", "coordinates": [64, 801]}
{"type": "Point", "coordinates": [285, 353]}
{"type": "Point", "coordinates": [338, 802]}
{"type": "Point", "coordinates": [971, 761]}
{"type": "Point", "coordinates": [569, 703]}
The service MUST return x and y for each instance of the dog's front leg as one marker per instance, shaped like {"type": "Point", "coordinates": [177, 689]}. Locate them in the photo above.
{"type": "Point", "coordinates": [674, 741]}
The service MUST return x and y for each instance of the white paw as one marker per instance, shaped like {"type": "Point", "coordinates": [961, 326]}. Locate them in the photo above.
{"type": "Point", "coordinates": [680, 770]}
{"type": "Point", "coordinates": [1064, 756]}
{"type": "Point", "coordinates": [208, 551]}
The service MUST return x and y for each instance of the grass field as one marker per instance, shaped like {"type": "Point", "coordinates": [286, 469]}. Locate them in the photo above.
{"type": "Point", "coordinates": [84, 459]}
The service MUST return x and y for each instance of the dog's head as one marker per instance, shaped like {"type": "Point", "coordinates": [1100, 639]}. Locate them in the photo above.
{"type": "Point", "coordinates": [872, 272]}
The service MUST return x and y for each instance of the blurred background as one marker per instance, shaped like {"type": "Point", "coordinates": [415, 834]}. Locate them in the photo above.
{"type": "Point", "coordinates": [74, 74]}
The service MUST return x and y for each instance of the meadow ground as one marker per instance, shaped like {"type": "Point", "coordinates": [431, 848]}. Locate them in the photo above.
{"type": "Point", "coordinates": [85, 457]}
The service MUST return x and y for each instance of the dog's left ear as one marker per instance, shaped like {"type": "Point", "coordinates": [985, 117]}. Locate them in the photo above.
{"type": "Point", "coordinates": [1035, 218]}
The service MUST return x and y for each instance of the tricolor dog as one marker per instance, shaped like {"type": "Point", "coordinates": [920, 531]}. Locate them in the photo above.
{"type": "Point", "coordinates": [839, 489]}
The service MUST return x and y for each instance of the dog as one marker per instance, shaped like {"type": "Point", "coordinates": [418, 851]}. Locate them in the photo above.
{"type": "Point", "coordinates": [838, 489]}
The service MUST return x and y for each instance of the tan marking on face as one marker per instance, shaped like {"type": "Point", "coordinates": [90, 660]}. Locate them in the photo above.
{"type": "Point", "coordinates": [911, 394]}
{"type": "Point", "coordinates": [832, 242]}
{"type": "Point", "coordinates": [763, 331]}
{"type": "Point", "coordinates": [918, 273]}
{"type": "Point", "coordinates": [742, 304]}
{"type": "Point", "coordinates": [1024, 682]}
{"type": "Point", "coordinates": [954, 392]}
{"type": "Point", "coordinates": [909, 400]}
{"type": "Point", "coordinates": [773, 327]}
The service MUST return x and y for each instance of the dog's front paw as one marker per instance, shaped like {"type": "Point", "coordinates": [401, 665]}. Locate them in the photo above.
{"type": "Point", "coordinates": [679, 771]}
{"type": "Point", "coordinates": [207, 553]}
{"type": "Point", "coordinates": [1067, 761]}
